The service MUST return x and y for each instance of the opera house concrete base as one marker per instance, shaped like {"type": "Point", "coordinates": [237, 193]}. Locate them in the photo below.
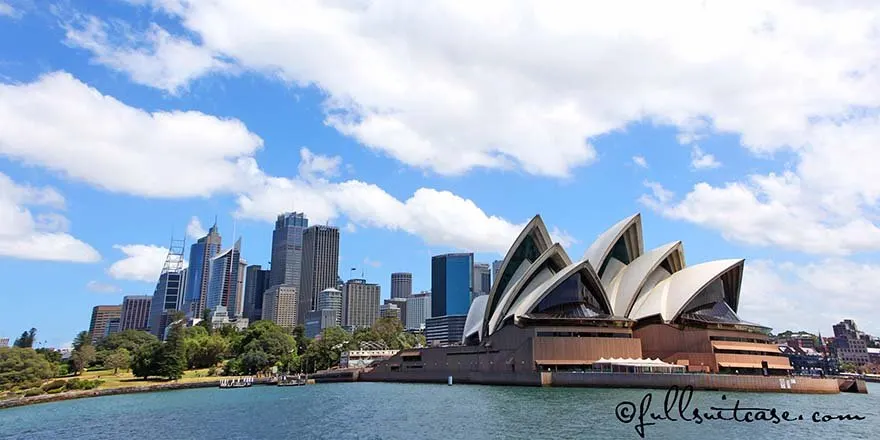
{"type": "Point", "coordinates": [699, 381]}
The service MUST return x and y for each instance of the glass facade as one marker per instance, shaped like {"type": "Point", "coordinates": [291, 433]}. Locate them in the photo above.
{"type": "Point", "coordinates": [287, 249]}
{"type": "Point", "coordinates": [451, 284]}
{"type": "Point", "coordinates": [572, 296]}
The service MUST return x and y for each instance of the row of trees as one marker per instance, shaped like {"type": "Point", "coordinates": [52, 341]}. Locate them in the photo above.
{"type": "Point", "coordinates": [257, 349]}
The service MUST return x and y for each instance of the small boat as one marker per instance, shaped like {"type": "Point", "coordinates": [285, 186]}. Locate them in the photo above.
{"type": "Point", "coordinates": [241, 382]}
{"type": "Point", "coordinates": [291, 381]}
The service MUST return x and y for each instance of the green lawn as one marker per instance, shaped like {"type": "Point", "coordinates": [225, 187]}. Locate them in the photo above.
{"type": "Point", "coordinates": [125, 379]}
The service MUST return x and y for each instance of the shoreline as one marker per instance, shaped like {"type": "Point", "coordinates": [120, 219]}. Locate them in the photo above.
{"type": "Point", "coordinates": [358, 376]}
{"type": "Point", "coordinates": [81, 394]}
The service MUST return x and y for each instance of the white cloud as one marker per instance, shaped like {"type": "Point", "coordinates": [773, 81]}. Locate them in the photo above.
{"type": "Point", "coordinates": [702, 160]}
{"type": "Point", "coordinates": [350, 227]}
{"type": "Point", "coordinates": [425, 214]}
{"type": "Point", "coordinates": [100, 140]}
{"type": "Point", "coordinates": [99, 287]}
{"type": "Point", "coordinates": [152, 57]}
{"type": "Point", "coordinates": [640, 161]}
{"type": "Point", "coordinates": [194, 229]}
{"type": "Point", "coordinates": [142, 262]}
{"type": "Point", "coordinates": [372, 263]}
{"type": "Point", "coordinates": [811, 296]}
{"type": "Point", "coordinates": [450, 87]}
{"type": "Point", "coordinates": [562, 237]}
{"type": "Point", "coordinates": [7, 10]}
{"type": "Point", "coordinates": [315, 166]}
{"type": "Point", "coordinates": [44, 237]}
{"type": "Point", "coordinates": [772, 210]}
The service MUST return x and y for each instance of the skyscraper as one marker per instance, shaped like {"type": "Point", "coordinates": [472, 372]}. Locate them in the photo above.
{"type": "Point", "coordinates": [279, 305]}
{"type": "Point", "coordinates": [256, 283]}
{"type": "Point", "coordinates": [401, 305]}
{"type": "Point", "coordinates": [496, 266]}
{"type": "Point", "coordinates": [101, 317]}
{"type": "Point", "coordinates": [226, 281]}
{"type": "Point", "coordinates": [287, 248]}
{"type": "Point", "coordinates": [168, 296]}
{"type": "Point", "coordinates": [165, 300]}
{"type": "Point", "coordinates": [451, 284]}
{"type": "Point", "coordinates": [360, 306]}
{"type": "Point", "coordinates": [135, 312]}
{"type": "Point", "coordinates": [401, 284]}
{"type": "Point", "coordinates": [320, 265]}
{"type": "Point", "coordinates": [482, 279]}
{"type": "Point", "coordinates": [418, 309]}
{"type": "Point", "coordinates": [200, 255]}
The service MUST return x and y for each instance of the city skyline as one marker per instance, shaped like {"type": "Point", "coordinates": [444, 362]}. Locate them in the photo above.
{"type": "Point", "coordinates": [123, 124]}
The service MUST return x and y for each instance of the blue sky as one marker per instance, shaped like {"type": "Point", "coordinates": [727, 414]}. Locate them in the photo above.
{"type": "Point", "coordinates": [744, 131]}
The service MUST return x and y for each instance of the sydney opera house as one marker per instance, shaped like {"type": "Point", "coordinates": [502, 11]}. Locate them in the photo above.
{"type": "Point", "coordinates": [546, 312]}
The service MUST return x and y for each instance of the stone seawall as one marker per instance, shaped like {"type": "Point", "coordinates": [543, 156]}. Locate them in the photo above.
{"type": "Point", "coordinates": [45, 398]}
{"type": "Point", "coordinates": [709, 382]}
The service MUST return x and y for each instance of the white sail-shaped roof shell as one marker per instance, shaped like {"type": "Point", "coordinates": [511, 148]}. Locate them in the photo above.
{"type": "Point", "coordinates": [533, 298]}
{"type": "Point", "coordinates": [669, 297]}
{"type": "Point", "coordinates": [474, 321]}
{"type": "Point", "coordinates": [536, 233]}
{"type": "Point", "coordinates": [549, 263]}
{"type": "Point", "coordinates": [628, 229]}
{"type": "Point", "coordinates": [641, 275]}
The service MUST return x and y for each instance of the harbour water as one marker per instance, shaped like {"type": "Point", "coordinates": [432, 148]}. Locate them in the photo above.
{"type": "Point", "coordinates": [422, 411]}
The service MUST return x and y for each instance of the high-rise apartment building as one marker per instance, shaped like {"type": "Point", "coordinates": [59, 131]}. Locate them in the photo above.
{"type": "Point", "coordinates": [331, 299]}
{"type": "Point", "coordinates": [482, 279]}
{"type": "Point", "coordinates": [101, 317]}
{"type": "Point", "coordinates": [360, 303]}
{"type": "Point", "coordinates": [256, 283]}
{"type": "Point", "coordinates": [135, 312]}
{"type": "Point", "coordinates": [279, 305]}
{"type": "Point", "coordinates": [287, 248]}
{"type": "Point", "coordinates": [200, 255]}
{"type": "Point", "coordinates": [320, 265]}
{"type": "Point", "coordinates": [418, 309]}
{"type": "Point", "coordinates": [451, 284]}
{"type": "Point", "coordinates": [401, 284]}
{"type": "Point", "coordinates": [226, 281]}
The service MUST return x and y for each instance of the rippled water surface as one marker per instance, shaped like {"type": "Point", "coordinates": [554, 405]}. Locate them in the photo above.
{"type": "Point", "coordinates": [416, 411]}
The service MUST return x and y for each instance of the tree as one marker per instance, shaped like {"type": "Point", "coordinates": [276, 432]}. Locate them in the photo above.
{"type": "Point", "coordinates": [264, 345]}
{"type": "Point", "coordinates": [23, 368]}
{"type": "Point", "coordinates": [170, 360]}
{"type": "Point", "coordinates": [82, 357]}
{"type": "Point", "coordinates": [26, 340]}
{"type": "Point", "coordinates": [82, 338]}
{"type": "Point", "coordinates": [129, 339]}
{"type": "Point", "coordinates": [848, 367]}
{"type": "Point", "coordinates": [51, 355]}
{"type": "Point", "coordinates": [206, 321]}
{"type": "Point", "coordinates": [142, 364]}
{"type": "Point", "coordinates": [302, 342]}
{"type": "Point", "coordinates": [203, 350]}
{"type": "Point", "coordinates": [120, 358]}
{"type": "Point", "coordinates": [325, 352]}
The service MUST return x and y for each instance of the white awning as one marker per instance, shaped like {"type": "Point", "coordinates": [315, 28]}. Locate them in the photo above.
{"type": "Point", "coordinates": [629, 362]}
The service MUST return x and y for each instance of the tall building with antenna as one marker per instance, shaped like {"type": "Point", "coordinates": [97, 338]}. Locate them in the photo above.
{"type": "Point", "coordinates": [168, 296]}
{"type": "Point", "coordinates": [226, 281]}
{"type": "Point", "coordinates": [200, 255]}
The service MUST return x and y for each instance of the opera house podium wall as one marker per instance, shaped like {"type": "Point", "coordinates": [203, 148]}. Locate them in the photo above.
{"type": "Point", "coordinates": [547, 319]}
